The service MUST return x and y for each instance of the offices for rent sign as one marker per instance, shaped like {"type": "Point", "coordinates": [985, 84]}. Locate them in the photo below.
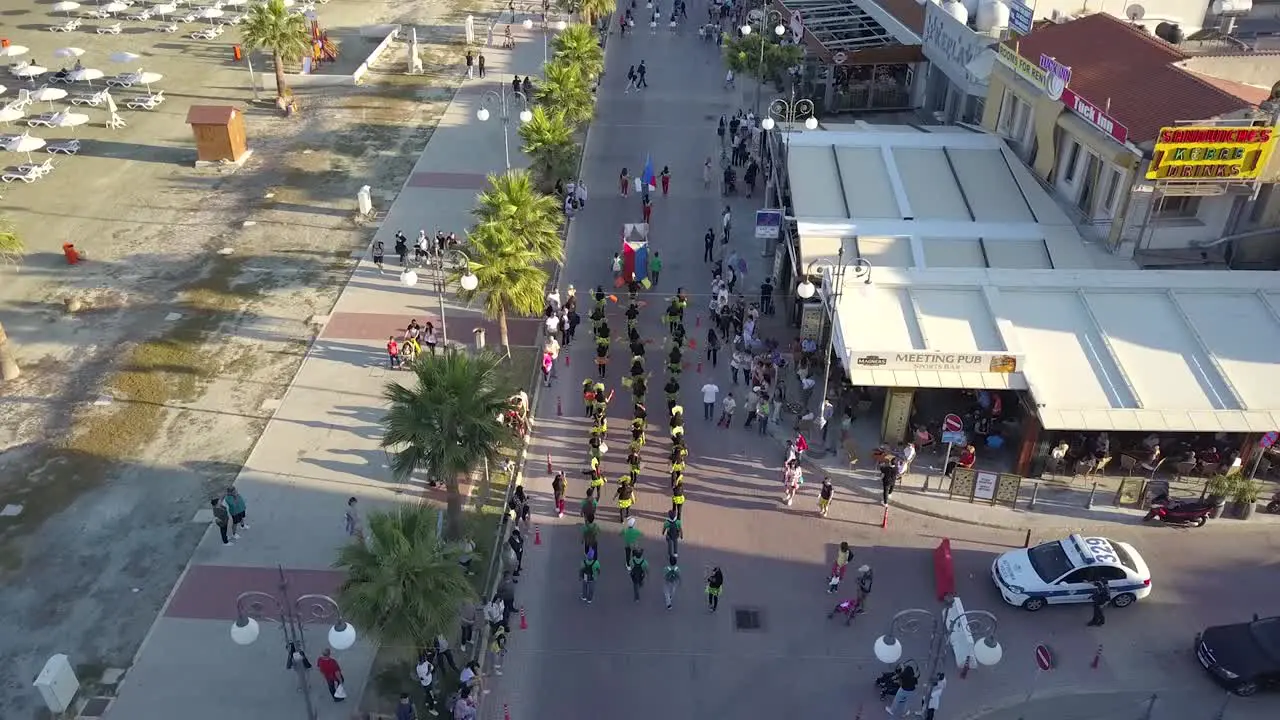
{"type": "Point", "coordinates": [1211, 153]}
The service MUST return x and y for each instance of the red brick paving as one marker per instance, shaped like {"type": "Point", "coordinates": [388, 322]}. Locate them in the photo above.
{"type": "Point", "coordinates": [209, 592]}
{"type": "Point", "coordinates": [379, 326]}
{"type": "Point", "coordinates": [449, 180]}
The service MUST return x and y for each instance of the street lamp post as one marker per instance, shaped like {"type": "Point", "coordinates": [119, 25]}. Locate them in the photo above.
{"type": "Point", "coordinates": [790, 112]}
{"type": "Point", "coordinates": [547, 27]}
{"type": "Point", "coordinates": [981, 626]}
{"type": "Point", "coordinates": [504, 97]}
{"type": "Point", "coordinates": [778, 29]}
{"type": "Point", "coordinates": [831, 295]}
{"type": "Point", "coordinates": [469, 282]}
{"type": "Point", "coordinates": [291, 615]}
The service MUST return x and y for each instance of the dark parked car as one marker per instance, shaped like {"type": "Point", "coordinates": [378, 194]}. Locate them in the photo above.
{"type": "Point", "coordinates": [1244, 657]}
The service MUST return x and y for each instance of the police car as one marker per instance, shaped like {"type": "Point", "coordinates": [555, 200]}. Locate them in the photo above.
{"type": "Point", "coordinates": [1063, 571]}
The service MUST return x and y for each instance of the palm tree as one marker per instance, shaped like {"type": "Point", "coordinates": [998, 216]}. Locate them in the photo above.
{"type": "Point", "coordinates": [565, 87]}
{"type": "Point", "coordinates": [577, 45]}
{"type": "Point", "coordinates": [529, 219]}
{"type": "Point", "coordinates": [549, 143]}
{"type": "Point", "coordinates": [593, 10]}
{"type": "Point", "coordinates": [448, 423]}
{"type": "Point", "coordinates": [512, 280]}
{"type": "Point", "coordinates": [273, 28]}
{"type": "Point", "coordinates": [404, 584]}
{"type": "Point", "coordinates": [11, 250]}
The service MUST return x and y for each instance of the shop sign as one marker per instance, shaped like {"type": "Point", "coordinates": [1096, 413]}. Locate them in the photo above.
{"type": "Point", "coordinates": [768, 224]}
{"type": "Point", "coordinates": [1094, 116]}
{"type": "Point", "coordinates": [1021, 15]}
{"type": "Point", "coordinates": [950, 45]}
{"type": "Point", "coordinates": [938, 362]}
{"type": "Point", "coordinates": [1218, 152]}
{"type": "Point", "coordinates": [1049, 75]}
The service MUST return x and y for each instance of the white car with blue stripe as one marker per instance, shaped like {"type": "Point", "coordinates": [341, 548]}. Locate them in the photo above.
{"type": "Point", "coordinates": [1064, 571]}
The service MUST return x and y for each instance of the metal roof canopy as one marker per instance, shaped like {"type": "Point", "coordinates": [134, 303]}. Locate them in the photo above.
{"type": "Point", "coordinates": [841, 24]}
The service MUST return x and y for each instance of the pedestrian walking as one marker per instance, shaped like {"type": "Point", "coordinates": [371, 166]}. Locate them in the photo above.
{"type": "Point", "coordinates": [631, 80]}
{"type": "Point", "coordinates": [655, 268]}
{"type": "Point", "coordinates": [646, 206]}
{"type": "Point", "coordinates": [557, 491]}
{"type": "Point", "coordinates": [222, 519]}
{"type": "Point", "coordinates": [672, 531]}
{"type": "Point", "coordinates": [865, 581]}
{"type": "Point", "coordinates": [766, 296]}
{"type": "Point", "coordinates": [516, 543]}
{"type": "Point", "coordinates": [641, 73]}
{"type": "Point", "coordinates": [630, 540]}
{"type": "Point", "coordinates": [639, 571]}
{"type": "Point", "coordinates": [709, 392]}
{"type": "Point", "coordinates": [588, 573]}
{"type": "Point", "coordinates": [332, 674]}
{"type": "Point", "coordinates": [402, 247]}
{"type": "Point", "coordinates": [670, 581]}
{"type": "Point", "coordinates": [763, 408]}
{"type": "Point", "coordinates": [708, 245]}
{"type": "Point", "coordinates": [715, 585]}
{"type": "Point", "coordinates": [236, 506]}
{"type": "Point", "coordinates": [480, 64]}
{"type": "Point", "coordinates": [495, 613]}
{"type": "Point", "coordinates": [1101, 596]}
{"type": "Point", "coordinates": [440, 650]}
{"type": "Point", "coordinates": [615, 266]}
{"type": "Point", "coordinates": [907, 681]}
{"type": "Point", "coordinates": [935, 695]}
{"type": "Point", "coordinates": [404, 709]}
{"type": "Point", "coordinates": [728, 406]}
{"type": "Point", "coordinates": [467, 616]}
{"type": "Point", "coordinates": [354, 523]}
{"type": "Point", "coordinates": [624, 184]}
{"type": "Point", "coordinates": [843, 555]}
{"type": "Point", "coordinates": [665, 178]}
{"type": "Point", "coordinates": [470, 61]}
{"type": "Point", "coordinates": [425, 672]}
{"type": "Point", "coordinates": [726, 223]}
{"type": "Point", "coordinates": [379, 251]}
{"type": "Point", "coordinates": [888, 479]}
{"type": "Point", "coordinates": [590, 534]}
{"type": "Point", "coordinates": [497, 649]}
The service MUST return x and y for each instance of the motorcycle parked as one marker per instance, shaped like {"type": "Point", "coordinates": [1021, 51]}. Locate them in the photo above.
{"type": "Point", "coordinates": [1193, 513]}
{"type": "Point", "coordinates": [1274, 505]}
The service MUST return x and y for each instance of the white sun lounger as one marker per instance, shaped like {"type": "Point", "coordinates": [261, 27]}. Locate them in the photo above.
{"type": "Point", "coordinates": [110, 29]}
{"type": "Point", "coordinates": [66, 27]}
{"type": "Point", "coordinates": [22, 101]}
{"type": "Point", "coordinates": [123, 80]}
{"type": "Point", "coordinates": [70, 147]}
{"type": "Point", "coordinates": [42, 168]}
{"type": "Point", "coordinates": [90, 99]}
{"type": "Point", "coordinates": [170, 28]}
{"type": "Point", "coordinates": [207, 33]}
{"type": "Point", "coordinates": [141, 16]}
{"type": "Point", "coordinates": [42, 120]}
{"type": "Point", "coordinates": [146, 102]}
{"type": "Point", "coordinates": [25, 173]}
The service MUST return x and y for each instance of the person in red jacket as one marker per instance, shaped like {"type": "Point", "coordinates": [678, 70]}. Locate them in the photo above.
{"type": "Point", "coordinates": [665, 175]}
{"type": "Point", "coordinates": [647, 205]}
{"type": "Point", "coordinates": [332, 673]}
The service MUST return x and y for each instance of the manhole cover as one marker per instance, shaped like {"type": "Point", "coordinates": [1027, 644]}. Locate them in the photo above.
{"type": "Point", "coordinates": [746, 619]}
{"type": "Point", "coordinates": [95, 707]}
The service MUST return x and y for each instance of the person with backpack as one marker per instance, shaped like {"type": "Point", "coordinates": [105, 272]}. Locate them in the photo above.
{"type": "Point", "coordinates": [715, 585]}
{"type": "Point", "coordinates": [670, 580]}
{"type": "Point", "coordinates": [639, 571]}
{"type": "Point", "coordinates": [588, 573]}
{"type": "Point", "coordinates": [557, 490]}
{"type": "Point", "coordinates": [588, 506]}
{"type": "Point", "coordinates": [672, 530]}
{"type": "Point", "coordinates": [630, 540]}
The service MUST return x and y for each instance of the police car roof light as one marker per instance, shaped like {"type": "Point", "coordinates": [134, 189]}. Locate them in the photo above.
{"type": "Point", "coordinates": [1085, 554]}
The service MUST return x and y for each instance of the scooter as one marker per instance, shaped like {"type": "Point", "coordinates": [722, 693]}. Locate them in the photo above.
{"type": "Point", "coordinates": [1194, 513]}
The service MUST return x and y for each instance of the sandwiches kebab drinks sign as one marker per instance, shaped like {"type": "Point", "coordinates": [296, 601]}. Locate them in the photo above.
{"type": "Point", "coordinates": [1211, 153]}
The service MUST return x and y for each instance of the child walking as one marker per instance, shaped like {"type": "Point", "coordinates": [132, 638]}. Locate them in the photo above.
{"type": "Point", "coordinates": [715, 585]}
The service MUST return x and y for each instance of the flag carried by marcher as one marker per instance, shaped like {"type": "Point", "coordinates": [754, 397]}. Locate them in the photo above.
{"type": "Point", "coordinates": [647, 178]}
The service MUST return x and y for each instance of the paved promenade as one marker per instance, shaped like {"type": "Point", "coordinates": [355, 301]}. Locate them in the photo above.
{"type": "Point", "coordinates": [320, 448]}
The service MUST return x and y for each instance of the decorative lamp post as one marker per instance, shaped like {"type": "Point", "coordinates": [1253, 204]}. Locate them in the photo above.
{"type": "Point", "coordinates": [547, 27]}
{"type": "Point", "coordinates": [861, 268]}
{"type": "Point", "coordinates": [981, 626]}
{"type": "Point", "coordinates": [291, 615]}
{"type": "Point", "coordinates": [468, 281]}
{"type": "Point", "coordinates": [771, 16]}
{"type": "Point", "coordinates": [504, 97]}
{"type": "Point", "coordinates": [790, 112]}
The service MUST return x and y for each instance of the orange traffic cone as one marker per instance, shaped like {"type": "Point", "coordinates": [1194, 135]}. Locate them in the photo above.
{"type": "Point", "coordinates": [537, 535]}
{"type": "Point", "coordinates": [566, 359]}
{"type": "Point", "coordinates": [884, 521]}
{"type": "Point", "coordinates": [548, 462]}
{"type": "Point", "coordinates": [506, 712]}
{"type": "Point", "coordinates": [524, 623]}
{"type": "Point", "coordinates": [699, 366]}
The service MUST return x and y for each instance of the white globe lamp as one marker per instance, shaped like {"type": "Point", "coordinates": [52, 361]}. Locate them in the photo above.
{"type": "Point", "coordinates": [469, 282]}
{"type": "Point", "coordinates": [528, 23]}
{"type": "Point", "coordinates": [244, 632]}
{"type": "Point", "coordinates": [779, 30]}
{"type": "Point", "coordinates": [987, 651]}
{"type": "Point", "coordinates": [811, 123]}
{"type": "Point", "coordinates": [483, 114]}
{"type": "Point", "coordinates": [767, 123]}
{"type": "Point", "coordinates": [888, 650]}
{"type": "Point", "coordinates": [526, 115]}
{"type": "Point", "coordinates": [746, 29]}
{"type": "Point", "coordinates": [561, 25]}
{"type": "Point", "coordinates": [806, 289]}
{"type": "Point", "coordinates": [408, 278]}
{"type": "Point", "coordinates": [342, 636]}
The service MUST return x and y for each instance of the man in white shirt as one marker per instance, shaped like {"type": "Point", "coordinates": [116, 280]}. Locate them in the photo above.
{"type": "Point", "coordinates": [726, 222]}
{"type": "Point", "coordinates": [426, 678]}
{"type": "Point", "coordinates": [709, 392]}
{"type": "Point", "coordinates": [580, 192]}
{"type": "Point", "coordinates": [935, 696]}
{"type": "Point", "coordinates": [726, 415]}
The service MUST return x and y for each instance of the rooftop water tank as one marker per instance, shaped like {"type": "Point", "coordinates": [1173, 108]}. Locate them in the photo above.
{"type": "Point", "coordinates": [992, 15]}
{"type": "Point", "coordinates": [971, 6]}
{"type": "Point", "coordinates": [1231, 7]}
{"type": "Point", "coordinates": [956, 10]}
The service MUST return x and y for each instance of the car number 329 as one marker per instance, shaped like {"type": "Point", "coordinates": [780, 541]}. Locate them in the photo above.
{"type": "Point", "coordinates": [1101, 550]}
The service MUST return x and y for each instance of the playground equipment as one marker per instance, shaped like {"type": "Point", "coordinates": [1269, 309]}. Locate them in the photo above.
{"type": "Point", "coordinates": [323, 49]}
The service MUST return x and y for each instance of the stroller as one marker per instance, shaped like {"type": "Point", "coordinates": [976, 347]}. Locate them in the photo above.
{"type": "Point", "coordinates": [887, 683]}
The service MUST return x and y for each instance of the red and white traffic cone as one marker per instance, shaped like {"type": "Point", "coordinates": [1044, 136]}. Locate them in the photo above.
{"type": "Point", "coordinates": [884, 520]}
{"type": "Point", "coordinates": [548, 463]}
{"type": "Point", "coordinates": [537, 535]}
{"type": "Point", "coordinates": [566, 359]}
{"type": "Point", "coordinates": [524, 623]}
{"type": "Point", "coordinates": [964, 670]}
{"type": "Point", "coordinates": [506, 712]}
{"type": "Point", "coordinates": [1097, 657]}
{"type": "Point", "coordinates": [699, 367]}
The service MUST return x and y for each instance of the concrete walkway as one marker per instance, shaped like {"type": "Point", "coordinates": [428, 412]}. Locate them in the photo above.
{"type": "Point", "coordinates": [320, 448]}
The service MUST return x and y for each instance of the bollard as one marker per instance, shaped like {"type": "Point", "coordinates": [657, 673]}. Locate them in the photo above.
{"type": "Point", "coordinates": [926, 483]}
{"type": "Point", "coordinates": [1092, 492]}
{"type": "Point", "coordinates": [537, 535]}
{"type": "Point", "coordinates": [566, 359]}
{"type": "Point", "coordinates": [1026, 542]}
{"type": "Point", "coordinates": [524, 623]}
{"type": "Point", "coordinates": [964, 671]}
{"type": "Point", "coordinates": [1035, 493]}
{"type": "Point", "coordinates": [699, 366]}
{"type": "Point", "coordinates": [884, 519]}
{"type": "Point", "coordinates": [506, 712]}
{"type": "Point", "coordinates": [1097, 657]}
{"type": "Point", "coordinates": [559, 407]}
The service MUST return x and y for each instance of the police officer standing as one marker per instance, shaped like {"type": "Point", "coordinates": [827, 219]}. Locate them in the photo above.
{"type": "Point", "coordinates": [1101, 596]}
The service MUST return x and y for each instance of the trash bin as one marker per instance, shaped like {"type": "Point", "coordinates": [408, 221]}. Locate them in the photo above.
{"type": "Point", "coordinates": [69, 250]}
{"type": "Point", "coordinates": [479, 338]}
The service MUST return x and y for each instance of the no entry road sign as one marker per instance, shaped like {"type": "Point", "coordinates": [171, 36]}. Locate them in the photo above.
{"type": "Point", "coordinates": [952, 423]}
{"type": "Point", "coordinates": [1044, 659]}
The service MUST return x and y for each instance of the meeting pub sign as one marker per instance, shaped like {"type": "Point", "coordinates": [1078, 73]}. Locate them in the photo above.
{"type": "Point", "coordinates": [988, 362]}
